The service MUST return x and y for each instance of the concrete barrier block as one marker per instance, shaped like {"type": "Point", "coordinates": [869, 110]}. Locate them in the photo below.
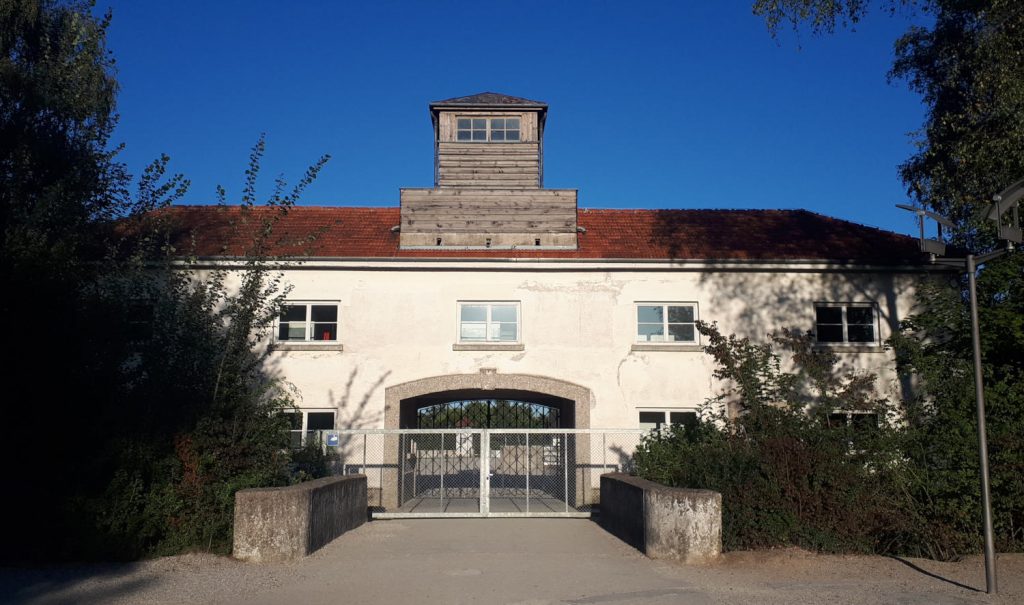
{"type": "Point", "coordinates": [284, 523]}
{"type": "Point", "coordinates": [662, 522]}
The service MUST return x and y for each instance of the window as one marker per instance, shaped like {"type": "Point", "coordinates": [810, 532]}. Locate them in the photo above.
{"type": "Point", "coordinates": [666, 322]}
{"type": "Point", "coordinates": [139, 321]}
{"type": "Point", "coordinates": [845, 323]}
{"type": "Point", "coordinates": [487, 129]}
{"type": "Point", "coordinates": [308, 322]}
{"type": "Point", "coordinates": [306, 425]}
{"type": "Point", "coordinates": [488, 322]}
{"type": "Point", "coordinates": [656, 419]}
{"type": "Point", "coordinates": [861, 423]}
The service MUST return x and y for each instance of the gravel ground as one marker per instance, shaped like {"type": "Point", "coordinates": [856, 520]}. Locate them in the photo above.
{"type": "Point", "coordinates": [523, 561]}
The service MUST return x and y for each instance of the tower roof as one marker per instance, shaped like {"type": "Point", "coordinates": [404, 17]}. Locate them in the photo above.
{"type": "Point", "coordinates": [489, 99]}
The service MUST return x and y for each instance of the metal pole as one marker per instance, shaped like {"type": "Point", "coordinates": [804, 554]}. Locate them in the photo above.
{"type": "Point", "coordinates": [529, 469]}
{"type": "Point", "coordinates": [485, 472]}
{"type": "Point", "coordinates": [565, 469]}
{"type": "Point", "coordinates": [604, 452]}
{"type": "Point", "coordinates": [444, 467]}
{"type": "Point", "coordinates": [979, 392]}
{"type": "Point", "coordinates": [401, 470]}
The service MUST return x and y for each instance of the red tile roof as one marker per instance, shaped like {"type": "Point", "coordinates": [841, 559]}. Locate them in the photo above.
{"type": "Point", "coordinates": [761, 235]}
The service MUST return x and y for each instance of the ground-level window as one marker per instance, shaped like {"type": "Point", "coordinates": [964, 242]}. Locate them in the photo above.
{"type": "Point", "coordinates": [307, 425]}
{"type": "Point", "coordinates": [308, 322]}
{"type": "Point", "coordinates": [139, 321]}
{"type": "Point", "coordinates": [845, 323]}
{"type": "Point", "coordinates": [666, 322]}
{"type": "Point", "coordinates": [488, 322]}
{"type": "Point", "coordinates": [862, 423]}
{"type": "Point", "coordinates": [656, 419]}
{"type": "Point", "coordinates": [859, 420]}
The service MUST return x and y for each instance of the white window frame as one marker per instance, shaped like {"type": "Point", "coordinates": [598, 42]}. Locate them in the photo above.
{"type": "Point", "coordinates": [846, 336]}
{"type": "Point", "coordinates": [849, 414]}
{"type": "Point", "coordinates": [303, 430]}
{"type": "Point", "coordinates": [488, 322]}
{"type": "Point", "coordinates": [308, 340]}
{"type": "Point", "coordinates": [665, 323]}
{"type": "Point", "coordinates": [666, 418]}
{"type": "Point", "coordinates": [487, 129]}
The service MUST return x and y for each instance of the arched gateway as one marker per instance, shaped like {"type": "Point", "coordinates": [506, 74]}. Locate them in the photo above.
{"type": "Point", "coordinates": [403, 402]}
{"type": "Point", "coordinates": [486, 444]}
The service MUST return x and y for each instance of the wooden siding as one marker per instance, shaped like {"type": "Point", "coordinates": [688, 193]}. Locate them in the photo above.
{"type": "Point", "coordinates": [488, 211]}
{"type": "Point", "coordinates": [485, 165]}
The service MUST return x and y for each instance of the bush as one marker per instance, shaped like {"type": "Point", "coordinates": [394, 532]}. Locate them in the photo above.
{"type": "Point", "coordinates": [787, 475]}
{"type": "Point", "coordinates": [786, 478]}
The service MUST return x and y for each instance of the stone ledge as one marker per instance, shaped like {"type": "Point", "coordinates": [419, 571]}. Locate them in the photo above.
{"type": "Point", "coordinates": [839, 348]}
{"type": "Point", "coordinates": [489, 346]}
{"type": "Point", "coordinates": [667, 348]}
{"type": "Point", "coordinates": [662, 522]}
{"type": "Point", "coordinates": [289, 346]}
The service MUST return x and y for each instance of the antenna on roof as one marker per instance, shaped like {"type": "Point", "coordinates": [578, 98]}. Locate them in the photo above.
{"type": "Point", "coordinates": [1005, 212]}
{"type": "Point", "coordinates": [934, 247]}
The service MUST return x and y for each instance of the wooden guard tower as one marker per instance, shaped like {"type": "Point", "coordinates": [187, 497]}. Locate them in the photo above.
{"type": "Point", "coordinates": [488, 181]}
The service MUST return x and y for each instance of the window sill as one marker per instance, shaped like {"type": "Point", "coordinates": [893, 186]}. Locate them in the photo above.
{"type": "Point", "coordinates": [848, 348]}
{"type": "Point", "coordinates": [489, 346]}
{"type": "Point", "coordinates": [667, 347]}
{"type": "Point", "coordinates": [296, 346]}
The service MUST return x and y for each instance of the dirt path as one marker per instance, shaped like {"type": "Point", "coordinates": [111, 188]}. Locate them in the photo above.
{"type": "Point", "coordinates": [524, 561]}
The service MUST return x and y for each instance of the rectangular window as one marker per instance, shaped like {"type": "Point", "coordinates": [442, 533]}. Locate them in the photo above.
{"type": "Point", "coordinates": [139, 321]}
{"type": "Point", "coordinates": [307, 426]}
{"type": "Point", "coordinates": [666, 323]}
{"type": "Point", "coordinates": [862, 423]}
{"type": "Point", "coordinates": [308, 322]}
{"type": "Point", "coordinates": [487, 129]}
{"type": "Point", "coordinates": [845, 323]}
{"type": "Point", "coordinates": [656, 419]}
{"type": "Point", "coordinates": [488, 322]}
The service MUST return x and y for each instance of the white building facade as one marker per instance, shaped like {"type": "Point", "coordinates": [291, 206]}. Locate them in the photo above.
{"type": "Point", "coordinates": [490, 287]}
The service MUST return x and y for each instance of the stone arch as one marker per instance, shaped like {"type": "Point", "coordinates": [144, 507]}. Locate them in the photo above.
{"type": "Point", "coordinates": [489, 384]}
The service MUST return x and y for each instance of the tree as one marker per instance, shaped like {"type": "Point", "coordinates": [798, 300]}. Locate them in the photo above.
{"type": "Point", "coordinates": [57, 95]}
{"type": "Point", "coordinates": [138, 394]}
{"type": "Point", "coordinates": [968, 69]}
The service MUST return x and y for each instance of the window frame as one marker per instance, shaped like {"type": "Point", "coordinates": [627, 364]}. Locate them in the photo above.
{"type": "Point", "coordinates": [303, 431]}
{"type": "Point", "coordinates": [488, 121]}
{"type": "Point", "coordinates": [665, 323]}
{"type": "Point", "coordinates": [666, 416]}
{"type": "Point", "coordinates": [856, 434]}
{"type": "Point", "coordinates": [843, 306]}
{"type": "Point", "coordinates": [309, 323]}
{"type": "Point", "coordinates": [488, 322]}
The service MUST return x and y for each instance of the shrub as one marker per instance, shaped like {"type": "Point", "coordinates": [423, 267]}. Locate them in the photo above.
{"type": "Point", "coordinates": [787, 475]}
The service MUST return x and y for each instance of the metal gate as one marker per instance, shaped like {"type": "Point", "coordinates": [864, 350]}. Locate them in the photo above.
{"type": "Point", "coordinates": [483, 472]}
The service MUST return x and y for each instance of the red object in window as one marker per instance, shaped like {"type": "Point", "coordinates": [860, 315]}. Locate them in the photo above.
{"type": "Point", "coordinates": [327, 335]}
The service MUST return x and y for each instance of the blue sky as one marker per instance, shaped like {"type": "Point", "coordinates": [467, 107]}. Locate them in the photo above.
{"type": "Point", "coordinates": [652, 104]}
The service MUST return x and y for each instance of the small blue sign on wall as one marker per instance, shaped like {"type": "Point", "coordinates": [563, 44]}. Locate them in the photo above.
{"type": "Point", "coordinates": [333, 439]}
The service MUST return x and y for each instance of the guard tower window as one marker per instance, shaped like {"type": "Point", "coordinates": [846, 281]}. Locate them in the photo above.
{"type": "Point", "coordinates": [487, 129]}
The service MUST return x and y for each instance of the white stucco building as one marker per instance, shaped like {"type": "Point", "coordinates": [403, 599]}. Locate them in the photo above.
{"type": "Point", "coordinates": [488, 286]}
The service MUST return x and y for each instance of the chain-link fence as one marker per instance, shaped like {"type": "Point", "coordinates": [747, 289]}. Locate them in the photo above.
{"type": "Point", "coordinates": [483, 472]}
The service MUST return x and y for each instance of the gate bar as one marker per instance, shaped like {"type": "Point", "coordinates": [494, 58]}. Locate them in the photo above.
{"type": "Point", "coordinates": [565, 470]}
{"type": "Point", "coordinates": [529, 469]}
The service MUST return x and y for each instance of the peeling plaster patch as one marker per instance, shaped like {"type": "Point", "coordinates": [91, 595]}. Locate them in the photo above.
{"type": "Point", "coordinates": [519, 357]}
{"type": "Point", "coordinates": [609, 285]}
